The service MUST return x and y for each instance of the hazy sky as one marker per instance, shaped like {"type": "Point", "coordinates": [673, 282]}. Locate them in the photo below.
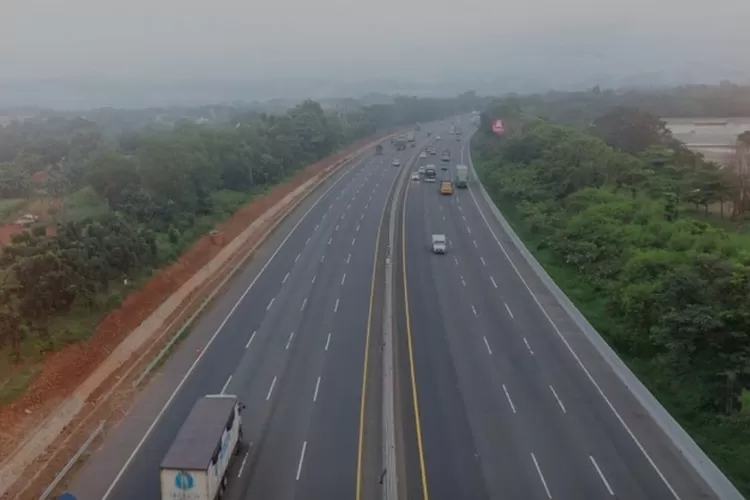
{"type": "Point", "coordinates": [266, 39]}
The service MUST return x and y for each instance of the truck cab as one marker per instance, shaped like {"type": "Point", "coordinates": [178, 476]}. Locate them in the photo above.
{"type": "Point", "coordinates": [438, 243]}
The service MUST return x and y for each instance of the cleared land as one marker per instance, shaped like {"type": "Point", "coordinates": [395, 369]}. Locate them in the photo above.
{"type": "Point", "coordinates": [713, 137]}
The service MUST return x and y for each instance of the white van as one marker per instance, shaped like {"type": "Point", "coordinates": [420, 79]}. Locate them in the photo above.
{"type": "Point", "coordinates": [438, 243]}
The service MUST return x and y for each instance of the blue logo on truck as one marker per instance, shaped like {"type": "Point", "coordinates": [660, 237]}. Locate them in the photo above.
{"type": "Point", "coordinates": [184, 481]}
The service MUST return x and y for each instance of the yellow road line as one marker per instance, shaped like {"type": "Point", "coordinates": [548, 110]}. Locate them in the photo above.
{"type": "Point", "coordinates": [425, 494]}
{"type": "Point", "coordinates": [360, 445]}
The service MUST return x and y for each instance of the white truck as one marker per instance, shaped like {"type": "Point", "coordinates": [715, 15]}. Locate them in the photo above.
{"type": "Point", "coordinates": [438, 243]}
{"type": "Point", "coordinates": [196, 465]}
{"type": "Point", "coordinates": [462, 176]}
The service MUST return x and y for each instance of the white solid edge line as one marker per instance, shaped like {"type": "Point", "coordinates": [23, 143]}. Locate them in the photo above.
{"type": "Point", "coordinates": [215, 334]}
{"type": "Point", "coordinates": [573, 353]}
{"type": "Point", "coordinates": [270, 389]}
{"type": "Point", "coordinates": [541, 476]}
{"type": "Point", "coordinates": [301, 459]}
{"type": "Point", "coordinates": [601, 475]}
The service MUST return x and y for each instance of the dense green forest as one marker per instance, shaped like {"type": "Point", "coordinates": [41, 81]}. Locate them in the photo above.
{"type": "Point", "coordinates": [133, 205]}
{"type": "Point", "coordinates": [609, 210]}
{"type": "Point", "coordinates": [711, 101]}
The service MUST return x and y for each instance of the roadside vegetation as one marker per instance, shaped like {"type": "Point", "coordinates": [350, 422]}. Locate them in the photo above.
{"type": "Point", "coordinates": [112, 211]}
{"type": "Point", "coordinates": [615, 209]}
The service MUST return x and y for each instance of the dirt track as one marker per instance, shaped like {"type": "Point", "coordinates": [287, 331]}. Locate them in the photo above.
{"type": "Point", "coordinates": [64, 371]}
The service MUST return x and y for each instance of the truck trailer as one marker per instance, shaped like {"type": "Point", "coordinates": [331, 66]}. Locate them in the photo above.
{"type": "Point", "coordinates": [196, 465]}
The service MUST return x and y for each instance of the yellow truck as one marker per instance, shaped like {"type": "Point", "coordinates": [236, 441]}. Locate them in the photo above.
{"type": "Point", "coordinates": [446, 187]}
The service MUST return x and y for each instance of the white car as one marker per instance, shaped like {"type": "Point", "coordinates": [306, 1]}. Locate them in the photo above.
{"type": "Point", "coordinates": [396, 162]}
{"type": "Point", "coordinates": [438, 243]}
{"type": "Point", "coordinates": [423, 155]}
{"type": "Point", "coordinates": [415, 176]}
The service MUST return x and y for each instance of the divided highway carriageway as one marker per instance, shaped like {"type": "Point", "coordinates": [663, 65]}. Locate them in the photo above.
{"type": "Point", "coordinates": [495, 392]}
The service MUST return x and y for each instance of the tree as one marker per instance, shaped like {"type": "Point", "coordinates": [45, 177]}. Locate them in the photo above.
{"type": "Point", "coordinates": [631, 130]}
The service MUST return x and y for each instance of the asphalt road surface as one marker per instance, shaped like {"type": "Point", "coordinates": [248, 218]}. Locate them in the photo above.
{"type": "Point", "coordinates": [502, 409]}
{"type": "Point", "coordinates": [288, 337]}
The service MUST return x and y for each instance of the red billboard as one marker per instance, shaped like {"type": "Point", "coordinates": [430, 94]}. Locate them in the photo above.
{"type": "Point", "coordinates": [498, 127]}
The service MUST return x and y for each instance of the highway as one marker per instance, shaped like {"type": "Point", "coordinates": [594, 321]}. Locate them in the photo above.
{"type": "Point", "coordinates": [496, 397]}
{"type": "Point", "coordinates": [499, 406]}
{"type": "Point", "coordinates": [289, 336]}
